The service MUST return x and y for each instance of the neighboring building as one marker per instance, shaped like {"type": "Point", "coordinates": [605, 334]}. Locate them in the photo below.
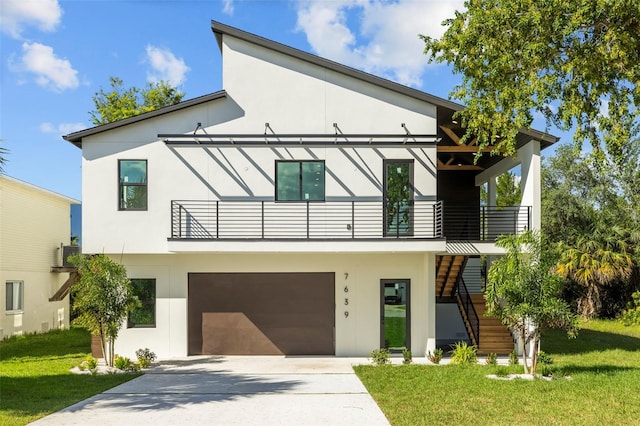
{"type": "Point", "coordinates": [308, 208]}
{"type": "Point", "coordinates": [34, 228]}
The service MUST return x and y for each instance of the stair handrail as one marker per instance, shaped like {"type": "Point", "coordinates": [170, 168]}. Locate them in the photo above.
{"type": "Point", "coordinates": [470, 310]}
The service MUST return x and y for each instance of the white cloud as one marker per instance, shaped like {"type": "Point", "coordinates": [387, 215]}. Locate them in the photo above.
{"type": "Point", "coordinates": [50, 71]}
{"type": "Point", "coordinates": [227, 7]}
{"type": "Point", "coordinates": [62, 128]}
{"type": "Point", "coordinates": [165, 66]}
{"type": "Point", "coordinates": [17, 14]}
{"type": "Point", "coordinates": [377, 36]}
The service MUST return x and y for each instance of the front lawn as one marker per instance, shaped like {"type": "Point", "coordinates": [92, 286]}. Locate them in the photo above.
{"type": "Point", "coordinates": [603, 364]}
{"type": "Point", "coordinates": [34, 375]}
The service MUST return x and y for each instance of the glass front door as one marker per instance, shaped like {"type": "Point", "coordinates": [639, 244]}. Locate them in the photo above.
{"type": "Point", "coordinates": [398, 197]}
{"type": "Point", "coordinates": [394, 315]}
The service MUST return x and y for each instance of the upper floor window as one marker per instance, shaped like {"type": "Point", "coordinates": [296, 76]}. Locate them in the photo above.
{"type": "Point", "coordinates": [14, 299]}
{"type": "Point", "coordinates": [145, 314]}
{"type": "Point", "coordinates": [299, 180]}
{"type": "Point", "coordinates": [133, 184]}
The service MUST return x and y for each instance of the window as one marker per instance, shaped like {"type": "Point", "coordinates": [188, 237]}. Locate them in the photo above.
{"type": "Point", "coordinates": [133, 184]}
{"type": "Point", "coordinates": [299, 180]}
{"type": "Point", "coordinates": [14, 295]}
{"type": "Point", "coordinates": [145, 315]}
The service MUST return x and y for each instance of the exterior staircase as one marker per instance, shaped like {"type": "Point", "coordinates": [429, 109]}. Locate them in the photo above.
{"type": "Point", "coordinates": [449, 268]}
{"type": "Point", "coordinates": [487, 334]}
{"type": "Point", "coordinates": [495, 337]}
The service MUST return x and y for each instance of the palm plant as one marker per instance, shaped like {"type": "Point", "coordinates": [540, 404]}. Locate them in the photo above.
{"type": "Point", "coordinates": [598, 259]}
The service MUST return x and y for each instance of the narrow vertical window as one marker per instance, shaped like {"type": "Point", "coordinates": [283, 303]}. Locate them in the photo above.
{"type": "Point", "coordinates": [14, 296]}
{"type": "Point", "coordinates": [132, 184]}
{"type": "Point", "coordinates": [145, 314]}
{"type": "Point", "coordinates": [300, 181]}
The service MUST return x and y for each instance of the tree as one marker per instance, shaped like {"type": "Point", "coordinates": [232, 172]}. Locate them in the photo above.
{"type": "Point", "coordinates": [597, 260]}
{"type": "Point", "coordinates": [577, 63]}
{"type": "Point", "coordinates": [123, 102]}
{"type": "Point", "coordinates": [3, 160]}
{"type": "Point", "coordinates": [524, 292]}
{"type": "Point", "coordinates": [590, 210]}
{"type": "Point", "coordinates": [507, 191]}
{"type": "Point", "coordinates": [103, 297]}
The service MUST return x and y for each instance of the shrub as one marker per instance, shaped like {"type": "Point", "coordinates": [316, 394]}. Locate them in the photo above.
{"type": "Point", "coordinates": [502, 371]}
{"type": "Point", "coordinates": [492, 359]}
{"type": "Point", "coordinates": [436, 356]}
{"type": "Point", "coordinates": [463, 354]}
{"type": "Point", "coordinates": [380, 356]}
{"type": "Point", "coordinates": [544, 358]}
{"type": "Point", "coordinates": [513, 357]}
{"type": "Point", "coordinates": [407, 357]}
{"type": "Point", "coordinates": [631, 315]}
{"type": "Point", "coordinates": [125, 364]}
{"type": "Point", "coordinates": [90, 363]}
{"type": "Point", "coordinates": [145, 357]}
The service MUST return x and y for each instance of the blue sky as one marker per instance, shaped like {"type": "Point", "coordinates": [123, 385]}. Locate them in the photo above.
{"type": "Point", "coordinates": [55, 55]}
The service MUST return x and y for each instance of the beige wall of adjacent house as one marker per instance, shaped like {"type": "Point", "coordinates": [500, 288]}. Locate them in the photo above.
{"type": "Point", "coordinates": [356, 335]}
{"type": "Point", "coordinates": [33, 224]}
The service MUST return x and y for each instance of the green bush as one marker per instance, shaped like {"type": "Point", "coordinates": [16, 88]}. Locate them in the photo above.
{"type": "Point", "coordinates": [407, 357]}
{"type": "Point", "coordinates": [90, 363]}
{"type": "Point", "coordinates": [125, 364]}
{"type": "Point", "coordinates": [145, 357]}
{"type": "Point", "coordinates": [492, 359]}
{"type": "Point", "coordinates": [380, 356]}
{"type": "Point", "coordinates": [513, 357]}
{"type": "Point", "coordinates": [463, 354]}
{"type": "Point", "coordinates": [436, 356]}
{"type": "Point", "coordinates": [631, 315]}
{"type": "Point", "coordinates": [502, 371]}
{"type": "Point", "coordinates": [544, 358]}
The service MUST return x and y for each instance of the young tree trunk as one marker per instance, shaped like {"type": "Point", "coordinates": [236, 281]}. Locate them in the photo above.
{"type": "Point", "coordinates": [523, 339]}
{"type": "Point", "coordinates": [103, 344]}
{"type": "Point", "coordinates": [534, 354]}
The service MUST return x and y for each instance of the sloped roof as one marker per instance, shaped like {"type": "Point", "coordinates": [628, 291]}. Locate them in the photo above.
{"type": "Point", "coordinates": [445, 108]}
{"type": "Point", "coordinates": [38, 189]}
{"type": "Point", "coordinates": [76, 137]}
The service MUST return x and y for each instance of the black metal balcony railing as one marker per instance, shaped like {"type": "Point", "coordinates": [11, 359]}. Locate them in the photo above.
{"type": "Point", "coordinates": [267, 220]}
{"type": "Point", "coordinates": [305, 220]}
{"type": "Point", "coordinates": [485, 223]}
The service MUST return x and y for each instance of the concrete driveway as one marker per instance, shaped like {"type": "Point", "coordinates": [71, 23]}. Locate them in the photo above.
{"type": "Point", "coordinates": [256, 390]}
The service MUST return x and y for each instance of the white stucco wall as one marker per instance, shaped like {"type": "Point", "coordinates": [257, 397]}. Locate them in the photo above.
{"type": "Point", "coordinates": [293, 96]}
{"type": "Point", "coordinates": [262, 86]}
{"type": "Point", "coordinates": [356, 335]}
{"type": "Point", "coordinates": [33, 224]}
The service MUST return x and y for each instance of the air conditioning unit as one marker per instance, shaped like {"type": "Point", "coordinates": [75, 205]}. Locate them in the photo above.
{"type": "Point", "coordinates": [66, 252]}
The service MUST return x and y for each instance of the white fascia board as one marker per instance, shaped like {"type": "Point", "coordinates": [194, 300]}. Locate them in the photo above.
{"type": "Point", "coordinates": [306, 246]}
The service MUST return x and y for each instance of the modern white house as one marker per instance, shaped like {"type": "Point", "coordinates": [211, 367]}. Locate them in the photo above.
{"type": "Point", "coordinates": [35, 233]}
{"type": "Point", "coordinates": [307, 208]}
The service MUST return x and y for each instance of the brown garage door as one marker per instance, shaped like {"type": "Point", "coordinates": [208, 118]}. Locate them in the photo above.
{"type": "Point", "coordinates": [261, 313]}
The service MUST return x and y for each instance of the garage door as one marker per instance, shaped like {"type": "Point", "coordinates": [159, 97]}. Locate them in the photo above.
{"type": "Point", "coordinates": [261, 313]}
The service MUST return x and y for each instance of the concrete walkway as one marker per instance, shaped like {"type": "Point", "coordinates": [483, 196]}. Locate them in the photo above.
{"type": "Point", "coordinates": [264, 390]}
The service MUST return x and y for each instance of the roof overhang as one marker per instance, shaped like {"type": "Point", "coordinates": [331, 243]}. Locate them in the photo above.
{"type": "Point", "coordinates": [76, 137]}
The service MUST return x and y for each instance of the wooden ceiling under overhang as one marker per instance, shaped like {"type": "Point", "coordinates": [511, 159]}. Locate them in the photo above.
{"type": "Point", "coordinates": [453, 155]}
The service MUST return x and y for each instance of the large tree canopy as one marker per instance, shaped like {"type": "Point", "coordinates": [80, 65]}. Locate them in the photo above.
{"type": "Point", "coordinates": [575, 62]}
{"type": "Point", "coordinates": [123, 102]}
{"type": "Point", "coordinates": [591, 210]}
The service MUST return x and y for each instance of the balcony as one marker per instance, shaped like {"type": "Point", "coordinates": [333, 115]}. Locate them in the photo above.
{"type": "Point", "coordinates": [331, 220]}
{"type": "Point", "coordinates": [341, 220]}
{"type": "Point", "coordinates": [485, 223]}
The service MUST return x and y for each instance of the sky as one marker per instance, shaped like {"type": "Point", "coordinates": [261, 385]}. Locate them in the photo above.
{"type": "Point", "coordinates": [55, 55]}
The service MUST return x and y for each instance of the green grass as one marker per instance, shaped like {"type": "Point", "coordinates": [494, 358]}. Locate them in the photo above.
{"type": "Point", "coordinates": [34, 375]}
{"type": "Point", "coordinates": [604, 386]}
